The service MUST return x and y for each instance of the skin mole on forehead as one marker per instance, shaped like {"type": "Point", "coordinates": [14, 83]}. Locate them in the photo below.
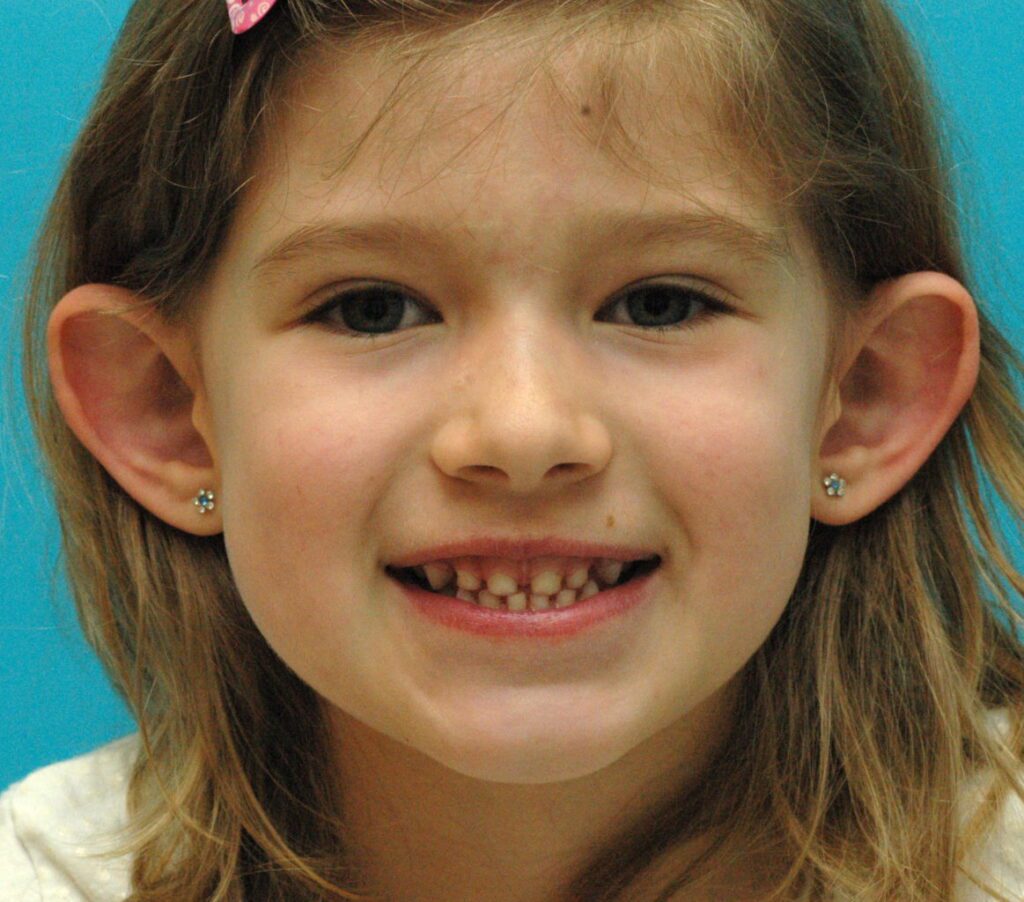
{"type": "Point", "coordinates": [585, 109]}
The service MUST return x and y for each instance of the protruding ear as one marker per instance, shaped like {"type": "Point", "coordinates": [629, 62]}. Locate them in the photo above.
{"type": "Point", "coordinates": [911, 365]}
{"type": "Point", "coordinates": [130, 390]}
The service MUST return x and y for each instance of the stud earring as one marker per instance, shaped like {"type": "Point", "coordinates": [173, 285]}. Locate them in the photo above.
{"type": "Point", "coordinates": [204, 501]}
{"type": "Point", "coordinates": [835, 485]}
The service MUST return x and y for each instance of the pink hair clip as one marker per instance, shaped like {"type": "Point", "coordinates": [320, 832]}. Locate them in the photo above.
{"type": "Point", "coordinates": [246, 13]}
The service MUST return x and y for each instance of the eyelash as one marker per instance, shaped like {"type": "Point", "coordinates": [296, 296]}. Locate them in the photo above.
{"type": "Point", "coordinates": [712, 305]}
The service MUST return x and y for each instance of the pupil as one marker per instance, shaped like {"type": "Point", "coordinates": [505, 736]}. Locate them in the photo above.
{"type": "Point", "coordinates": [374, 310]}
{"type": "Point", "coordinates": [660, 303]}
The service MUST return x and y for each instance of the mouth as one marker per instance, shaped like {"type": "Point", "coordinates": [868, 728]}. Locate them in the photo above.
{"type": "Point", "coordinates": [543, 594]}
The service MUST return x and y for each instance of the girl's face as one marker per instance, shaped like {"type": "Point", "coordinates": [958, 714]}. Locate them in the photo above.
{"type": "Point", "coordinates": [518, 391]}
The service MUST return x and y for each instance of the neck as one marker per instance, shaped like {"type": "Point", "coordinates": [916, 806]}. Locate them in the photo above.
{"type": "Point", "coordinates": [424, 832]}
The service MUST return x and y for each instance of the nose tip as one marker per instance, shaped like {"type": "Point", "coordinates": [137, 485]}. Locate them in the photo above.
{"type": "Point", "coordinates": [551, 452]}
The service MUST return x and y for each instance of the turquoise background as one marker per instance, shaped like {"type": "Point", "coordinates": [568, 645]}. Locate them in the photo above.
{"type": "Point", "coordinates": [54, 700]}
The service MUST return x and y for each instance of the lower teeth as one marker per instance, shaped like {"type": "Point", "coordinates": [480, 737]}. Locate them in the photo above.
{"type": "Point", "coordinates": [519, 601]}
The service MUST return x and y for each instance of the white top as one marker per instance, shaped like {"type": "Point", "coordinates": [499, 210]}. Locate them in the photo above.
{"type": "Point", "coordinates": [56, 823]}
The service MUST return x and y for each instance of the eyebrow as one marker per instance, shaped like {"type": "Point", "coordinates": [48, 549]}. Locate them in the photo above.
{"type": "Point", "coordinates": [632, 230]}
{"type": "Point", "coordinates": [749, 242]}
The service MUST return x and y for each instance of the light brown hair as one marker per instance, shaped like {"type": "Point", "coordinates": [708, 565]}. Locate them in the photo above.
{"type": "Point", "coordinates": [864, 712]}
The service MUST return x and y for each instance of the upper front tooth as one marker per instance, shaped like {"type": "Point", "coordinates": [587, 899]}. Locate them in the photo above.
{"type": "Point", "coordinates": [547, 582]}
{"type": "Point", "coordinates": [502, 584]}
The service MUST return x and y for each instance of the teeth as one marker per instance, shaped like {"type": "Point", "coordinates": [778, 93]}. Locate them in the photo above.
{"type": "Point", "coordinates": [484, 598]}
{"type": "Point", "coordinates": [548, 588]}
{"type": "Point", "coordinates": [546, 583]}
{"type": "Point", "coordinates": [438, 575]}
{"type": "Point", "coordinates": [608, 571]}
{"type": "Point", "coordinates": [565, 598]}
{"type": "Point", "coordinates": [577, 577]}
{"type": "Point", "coordinates": [502, 584]}
{"type": "Point", "coordinates": [488, 599]}
{"type": "Point", "coordinates": [539, 602]}
{"type": "Point", "coordinates": [517, 602]}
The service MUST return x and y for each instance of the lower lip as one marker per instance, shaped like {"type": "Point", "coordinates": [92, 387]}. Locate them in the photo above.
{"type": "Point", "coordinates": [557, 623]}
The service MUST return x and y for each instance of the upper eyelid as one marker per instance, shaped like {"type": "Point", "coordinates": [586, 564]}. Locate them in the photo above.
{"type": "Point", "coordinates": [325, 297]}
{"type": "Point", "coordinates": [712, 292]}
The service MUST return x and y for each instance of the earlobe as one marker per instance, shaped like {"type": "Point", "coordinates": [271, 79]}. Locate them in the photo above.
{"type": "Point", "coordinates": [125, 384]}
{"type": "Point", "coordinates": [913, 365]}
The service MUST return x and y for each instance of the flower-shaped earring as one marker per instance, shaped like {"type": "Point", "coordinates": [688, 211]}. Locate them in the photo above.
{"type": "Point", "coordinates": [834, 485]}
{"type": "Point", "coordinates": [204, 501]}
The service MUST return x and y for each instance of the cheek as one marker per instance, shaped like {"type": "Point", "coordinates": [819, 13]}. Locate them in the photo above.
{"type": "Point", "coordinates": [297, 452]}
{"type": "Point", "coordinates": [742, 464]}
{"type": "Point", "coordinates": [735, 466]}
{"type": "Point", "coordinates": [738, 439]}
{"type": "Point", "coordinates": [300, 473]}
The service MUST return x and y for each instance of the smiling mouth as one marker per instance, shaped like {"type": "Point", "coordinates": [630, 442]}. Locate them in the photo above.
{"type": "Point", "coordinates": [522, 598]}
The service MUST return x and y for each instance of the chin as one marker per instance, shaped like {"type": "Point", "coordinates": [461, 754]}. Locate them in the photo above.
{"type": "Point", "coordinates": [518, 773]}
{"type": "Point", "coordinates": [535, 762]}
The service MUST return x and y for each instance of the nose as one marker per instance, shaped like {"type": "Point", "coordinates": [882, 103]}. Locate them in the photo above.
{"type": "Point", "coordinates": [524, 412]}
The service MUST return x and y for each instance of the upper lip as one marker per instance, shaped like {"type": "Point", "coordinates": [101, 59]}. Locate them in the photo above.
{"type": "Point", "coordinates": [521, 550]}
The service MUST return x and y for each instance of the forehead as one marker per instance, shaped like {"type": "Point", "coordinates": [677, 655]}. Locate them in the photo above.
{"type": "Point", "coordinates": [451, 127]}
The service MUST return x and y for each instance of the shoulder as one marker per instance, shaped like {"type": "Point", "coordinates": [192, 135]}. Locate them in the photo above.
{"type": "Point", "coordinates": [999, 860]}
{"type": "Point", "coordinates": [57, 823]}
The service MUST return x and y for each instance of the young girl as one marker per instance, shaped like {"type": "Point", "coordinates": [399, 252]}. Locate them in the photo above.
{"type": "Point", "coordinates": [525, 451]}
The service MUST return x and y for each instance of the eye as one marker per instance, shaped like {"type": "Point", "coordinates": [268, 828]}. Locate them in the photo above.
{"type": "Point", "coordinates": [368, 311]}
{"type": "Point", "coordinates": [668, 306]}
{"type": "Point", "coordinates": [378, 308]}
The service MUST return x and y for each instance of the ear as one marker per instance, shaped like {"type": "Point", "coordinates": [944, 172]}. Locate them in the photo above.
{"type": "Point", "coordinates": [129, 389]}
{"type": "Point", "coordinates": [911, 365]}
